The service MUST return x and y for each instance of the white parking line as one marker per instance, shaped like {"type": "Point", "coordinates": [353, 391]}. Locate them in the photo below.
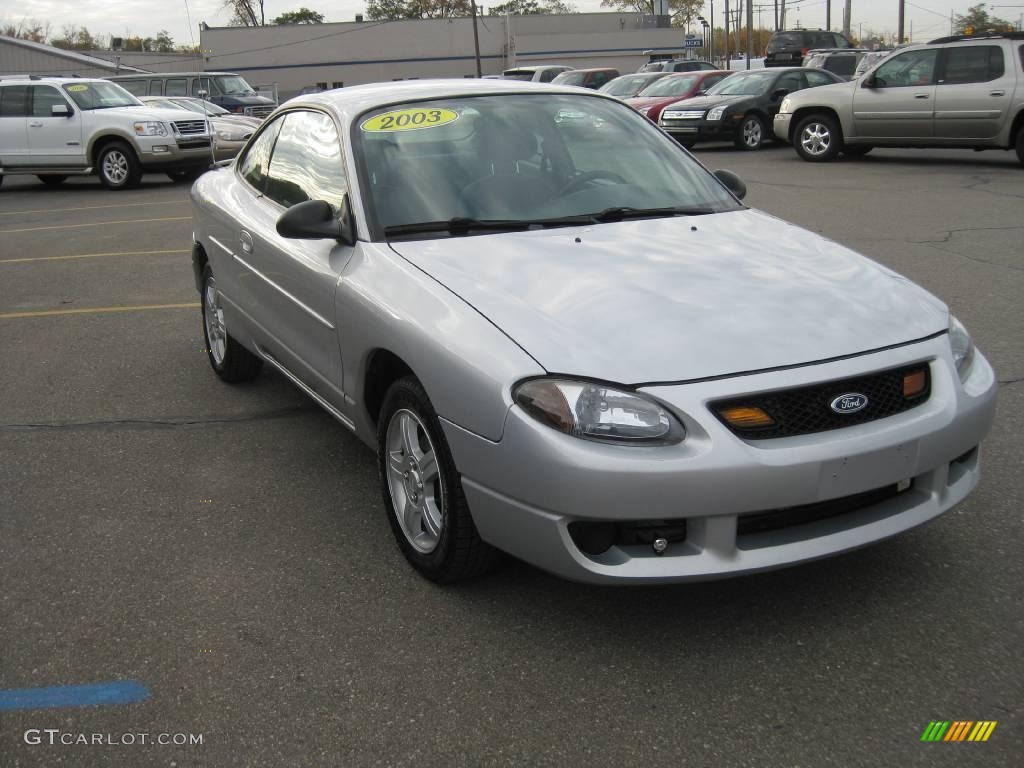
{"type": "Point", "coordinates": [97, 310]}
{"type": "Point", "coordinates": [92, 256]}
{"type": "Point", "coordinates": [94, 224]}
{"type": "Point", "coordinates": [90, 208]}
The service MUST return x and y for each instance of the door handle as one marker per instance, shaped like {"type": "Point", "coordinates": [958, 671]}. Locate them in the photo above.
{"type": "Point", "coordinates": [920, 95]}
{"type": "Point", "coordinates": [245, 239]}
{"type": "Point", "coordinates": [997, 93]}
{"type": "Point", "coordinates": [35, 124]}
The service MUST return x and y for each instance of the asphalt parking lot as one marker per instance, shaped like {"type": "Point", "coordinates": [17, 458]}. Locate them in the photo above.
{"type": "Point", "coordinates": [227, 546]}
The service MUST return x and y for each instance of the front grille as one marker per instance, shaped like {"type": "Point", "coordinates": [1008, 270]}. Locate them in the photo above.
{"type": "Point", "coordinates": [787, 517]}
{"type": "Point", "coordinates": [190, 127]}
{"type": "Point", "coordinates": [259, 111]}
{"type": "Point", "coordinates": [805, 410]}
{"type": "Point", "coordinates": [684, 114]}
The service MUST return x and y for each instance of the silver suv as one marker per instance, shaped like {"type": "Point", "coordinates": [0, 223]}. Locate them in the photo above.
{"type": "Point", "coordinates": [956, 92]}
{"type": "Point", "coordinates": [57, 127]}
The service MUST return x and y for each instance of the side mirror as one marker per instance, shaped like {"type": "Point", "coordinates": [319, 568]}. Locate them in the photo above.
{"type": "Point", "coordinates": [315, 220]}
{"type": "Point", "coordinates": [202, 93]}
{"type": "Point", "coordinates": [60, 110]}
{"type": "Point", "coordinates": [702, 92]}
{"type": "Point", "coordinates": [733, 183]}
{"type": "Point", "coordinates": [869, 81]}
{"type": "Point", "coordinates": [779, 93]}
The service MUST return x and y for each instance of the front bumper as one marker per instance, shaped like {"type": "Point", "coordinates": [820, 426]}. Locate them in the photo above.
{"type": "Point", "coordinates": [525, 490]}
{"type": "Point", "coordinates": [171, 153]}
{"type": "Point", "coordinates": [702, 130]}
{"type": "Point", "coordinates": [781, 125]}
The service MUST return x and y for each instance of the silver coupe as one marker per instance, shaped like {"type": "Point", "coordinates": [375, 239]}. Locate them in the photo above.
{"type": "Point", "coordinates": [569, 341]}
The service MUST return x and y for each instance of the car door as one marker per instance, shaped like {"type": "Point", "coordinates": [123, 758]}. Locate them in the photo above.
{"type": "Point", "coordinates": [54, 139]}
{"type": "Point", "coordinates": [14, 125]}
{"type": "Point", "coordinates": [293, 282]}
{"type": "Point", "coordinates": [973, 92]}
{"type": "Point", "coordinates": [897, 99]}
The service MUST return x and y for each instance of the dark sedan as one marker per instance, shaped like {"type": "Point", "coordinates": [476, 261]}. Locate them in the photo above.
{"type": "Point", "coordinates": [740, 108]}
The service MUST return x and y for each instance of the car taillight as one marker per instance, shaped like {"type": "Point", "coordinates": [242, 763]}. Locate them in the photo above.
{"type": "Point", "coordinates": [803, 51]}
{"type": "Point", "coordinates": [240, 110]}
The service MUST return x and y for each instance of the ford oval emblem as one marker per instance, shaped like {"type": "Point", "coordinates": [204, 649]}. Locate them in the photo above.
{"type": "Point", "coordinates": [851, 402]}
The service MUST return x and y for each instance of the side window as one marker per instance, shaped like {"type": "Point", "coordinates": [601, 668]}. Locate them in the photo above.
{"type": "Point", "coordinates": [548, 75]}
{"type": "Point", "coordinates": [973, 64]}
{"type": "Point", "coordinates": [14, 101]}
{"type": "Point", "coordinates": [43, 99]}
{"type": "Point", "coordinates": [134, 87]}
{"type": "Point", "coordinates": [307, 164]}
{"type": "Point", "coordinates": [905, 69]}
{"type": "Point", "coordinates": [814, 79]}
{"type": "Point", "coordinates": [256, 160]}
{"type": "Point", "coordinates": [840, 41]}
{"type": "Point", "coordinates": [175, 87]}
{"type": "Point", "coordinates": [156, 87]}
{"type": "Point", "coordinates": [791, 81]}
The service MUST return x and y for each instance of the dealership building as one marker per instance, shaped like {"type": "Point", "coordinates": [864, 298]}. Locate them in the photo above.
{"type": "Point", "coordinates": [304, 56]}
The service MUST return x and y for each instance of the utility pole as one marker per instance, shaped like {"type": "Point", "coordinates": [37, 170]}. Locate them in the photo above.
{"type": "Point", "coordinates": [727, 34]}
{"type": "Point", "coordinates": [476, 40]}
{"type": "Point", "coordinates": [899, 34]}
{"type": "Point", "coordinates": [776, 15]}
{"type": "Point", "coordinates": [750, 31]}
{"type": "Point", "coordinates": [739, 20]}
{"type": "Point", "coordinates": [847, 18]}
{"type": "Point", "coordinates": [782, 16]}
{"type": "Point", "coordinates": [828, 15]}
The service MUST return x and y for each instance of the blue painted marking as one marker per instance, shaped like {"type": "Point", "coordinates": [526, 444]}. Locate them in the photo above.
{"type": "Point", "coordinates": [117, 692]}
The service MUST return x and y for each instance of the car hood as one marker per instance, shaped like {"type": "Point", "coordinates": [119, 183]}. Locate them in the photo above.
{"type": "Point", "coordinates": [675, 299]}
{"type": "Point", "coordinates": [246, 101]}
{"type": "Point", "coordinates": [639, 102]}
{"type": "Point", "coordinates": [162, 114]}
{"type": "Point", "coordinates": [707, 102]}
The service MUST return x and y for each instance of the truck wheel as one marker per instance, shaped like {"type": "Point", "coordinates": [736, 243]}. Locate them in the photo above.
{"type": "Point", "coordinates": [51, 179]}
{"type": "Point", "coordinates": [229, 359]}
{"type": "Point", "coordinates": [117, 166]}
{"type": "Point", "coordinates": [817, 139]}
{"type": "Point", "coordinates": [750, 134]}
{"type": "Point", "coordinates": [422, 490]}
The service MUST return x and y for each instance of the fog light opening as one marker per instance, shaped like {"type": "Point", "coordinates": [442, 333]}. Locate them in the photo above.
{"type": "Point", "coordinates": [592, 538]}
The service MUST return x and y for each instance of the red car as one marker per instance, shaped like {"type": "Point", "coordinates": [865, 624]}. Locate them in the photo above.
{"type": "Point", "coordinates": [673, 88]}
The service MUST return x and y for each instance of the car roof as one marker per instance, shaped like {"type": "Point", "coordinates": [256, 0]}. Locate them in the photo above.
{"type": "Point", "coordinates": [607, 69]}
{"type": "Point", "coordinates": [351, 101]}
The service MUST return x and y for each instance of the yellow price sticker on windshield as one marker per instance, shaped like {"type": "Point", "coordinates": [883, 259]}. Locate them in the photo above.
{"type": "Point", "coordinates": [76, 88]}
{"type": "Point", "coordinates": [409, 120]}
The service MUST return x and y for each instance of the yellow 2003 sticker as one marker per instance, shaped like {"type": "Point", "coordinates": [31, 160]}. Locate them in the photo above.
{"type": "Point", "coordinates": [409, 120]}
{"type": "Point", "coordinates": [76, 88]}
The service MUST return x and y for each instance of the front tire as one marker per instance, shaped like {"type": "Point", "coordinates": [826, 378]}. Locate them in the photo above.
{"type": "Point", "coordinates": [52, 179]}
{"type": "Point", "coordinates": [817, 139]}
{"type": "Point", "coordinates": [117, 166]}
{"type": "Point", "coordinates": [229, 359]}
{"type": "Point", "coordinates": [750, 134]}
{"type": "Point", "coordinates": [422, 490]}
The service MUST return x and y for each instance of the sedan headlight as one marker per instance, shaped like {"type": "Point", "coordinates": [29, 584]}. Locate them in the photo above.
{"type": "Point", "coordinates": [786, 104]}
{"type": "Point", "coordinates": [231, 135]}
{"type": "Point", "coordinates": [963, 347]}
{"type": "Point", "coordinates": [150, 129]}
{"type": "Point", "coordinates": [597, 412]}
{"type": "Point", "coordinates": [716, 113]}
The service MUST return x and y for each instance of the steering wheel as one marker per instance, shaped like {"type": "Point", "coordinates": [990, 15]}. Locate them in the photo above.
{"type": "Point", "coordinates": [585, 178]}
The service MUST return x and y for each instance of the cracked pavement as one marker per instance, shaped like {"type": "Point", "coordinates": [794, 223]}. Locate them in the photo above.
{"type": "Point", "coordinates": [226, 546]}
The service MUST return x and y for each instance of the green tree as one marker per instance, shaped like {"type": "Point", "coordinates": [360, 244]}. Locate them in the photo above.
{"type": "Point", "coordinates": [245, 13]}
{"type": "Point", "coordinates": [678, 9]}
{"type": "Point", "coordinates": [162, 43]}
{"type": "Point", "coordinates": [27, 29]}
{"type": "Point", "coordinates": [531, 8]}
{"type": "Point", "coordinates": [75, 38]}
{"type": "Point", "coordinates": [978, 20]}
{"type": "Point", "coordinates": [417, 9]}
{"type": "Point", "coordinates": [301, 16]}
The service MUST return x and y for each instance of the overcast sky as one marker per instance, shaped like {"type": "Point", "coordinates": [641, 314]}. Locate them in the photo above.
{"type": "Point", "coordinates": [928, 18]}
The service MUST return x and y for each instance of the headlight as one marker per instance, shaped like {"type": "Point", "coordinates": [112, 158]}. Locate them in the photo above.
{"type": "Point", "coordinates": [598, 412]}
{"type": "Point", "coordinates": [150, 129]}
{"type": "Point", "coordinates": [786, 104]}
{"type": "Point", "coordinates": [230, 135]}
{"type": "Point", "coordinates": [716, 113]}
{"type": "Point", "coordinates": [963, 347]}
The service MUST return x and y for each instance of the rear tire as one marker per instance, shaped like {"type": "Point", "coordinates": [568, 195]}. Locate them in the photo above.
{"type": "Point", "coordinates": [52, 179]}
{"type": "Point", "coordinates": [750, 134]}
{"type": "Point", "coordinates": [817, 139]}
{"type": "Point", "coordinates": [229, 359]}
{"type": "Point", "coordinates": [118, 167]}
{"type": "Point", "coordinates": [422, 490]}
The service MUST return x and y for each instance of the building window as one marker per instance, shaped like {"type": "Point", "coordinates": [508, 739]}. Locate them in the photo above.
{"type": "Point", "coordinates": [338, 84]}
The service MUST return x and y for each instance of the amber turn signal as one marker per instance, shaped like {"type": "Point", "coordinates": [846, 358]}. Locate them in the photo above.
{"type": "Point", "coordinates": [914, 383]}
{"type": "Point", "coordinates": [747, 417]}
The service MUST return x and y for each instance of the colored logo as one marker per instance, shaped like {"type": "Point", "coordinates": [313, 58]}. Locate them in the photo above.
{"type": "Point", "coordinates": [958, 730]}
{"type": "Point", "coordinates": [851, 402]}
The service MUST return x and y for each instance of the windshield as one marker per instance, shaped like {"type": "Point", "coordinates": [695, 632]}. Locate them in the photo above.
{"type": "Point", "coordinates": [627, 85]}
{"type": "Point", "coordinates": [100, 95]}
{"type": "Point", "coordinates": [743, 84]}
{"type": "Point", "coordinates": [197, 106]}
{"type": "Point", "coordinates": [520, 158]}
{"type": "Point", "coordinates": [518, 74]}
{"type": "Point", "coordinates": [232, 85]}
{"type": "Point", "coordinates": [782, 41]}
{"type": "Point", "coordinates": [571, 78]}
{"type": "Point", "coordinates": [670, 86]}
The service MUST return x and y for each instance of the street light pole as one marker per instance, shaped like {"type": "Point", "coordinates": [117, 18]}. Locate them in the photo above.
{"type": "Point", "coordinates": [750, 31]}
{"type": "Point", "coordinates": [476, 40]}
{"type": "Point", "coordinates": [899, 25]}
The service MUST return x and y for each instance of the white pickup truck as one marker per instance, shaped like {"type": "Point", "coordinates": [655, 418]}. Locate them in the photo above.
{"type": "Point", "coordinates": [55, 127]}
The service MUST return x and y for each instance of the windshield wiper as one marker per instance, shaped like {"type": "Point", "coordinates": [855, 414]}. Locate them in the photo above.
{"type": "Point", "coordinates": [625, 212]}
{"type": "Point", "coordinates": [462, 226]}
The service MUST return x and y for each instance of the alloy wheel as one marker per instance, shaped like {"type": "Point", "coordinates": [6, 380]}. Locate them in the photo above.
{"type": "Point", "coordinates": [752, 133]}
{"type": "Point", "coordinates": [213, 317]}
{"type": "Point", "coordinates": [414, 481]}
{"type": "Point", "coordinates": [816, 139]}
{"type": "Point", "coordinates": [115, 167]}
